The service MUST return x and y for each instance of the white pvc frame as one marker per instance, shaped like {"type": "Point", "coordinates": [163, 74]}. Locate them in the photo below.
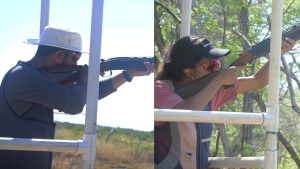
{"type": "Point", "coordinates": [269, 119]}
{"type": "Point", "coordinates": [87, 146]}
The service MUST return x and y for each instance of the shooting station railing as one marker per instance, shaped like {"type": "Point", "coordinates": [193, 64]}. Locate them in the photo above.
{"type": "Point", "coordinates": [87, 146]}
{"type": "Point", "coordinates": [269, 119]}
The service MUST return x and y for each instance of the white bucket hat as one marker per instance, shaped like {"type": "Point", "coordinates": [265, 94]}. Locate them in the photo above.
{"type": "Point", "coordinates": [59, 36]}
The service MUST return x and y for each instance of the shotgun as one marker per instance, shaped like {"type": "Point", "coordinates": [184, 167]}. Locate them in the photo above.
{"type": "Point", "coordinates": [256, 51]}
{"type": "Point", "coordinates": [68, 74]}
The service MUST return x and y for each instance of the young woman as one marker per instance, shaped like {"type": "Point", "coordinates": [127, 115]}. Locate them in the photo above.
{"type": "Point", "coordinates": [185, 144]}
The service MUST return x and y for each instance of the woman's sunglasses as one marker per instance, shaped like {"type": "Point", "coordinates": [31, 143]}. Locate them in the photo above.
{"type": "Point", "coordinates": [210, 65]}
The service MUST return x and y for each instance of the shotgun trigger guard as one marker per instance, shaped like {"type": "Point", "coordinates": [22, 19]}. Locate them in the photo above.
{"type": "Point", "coordinates": [110, 73]}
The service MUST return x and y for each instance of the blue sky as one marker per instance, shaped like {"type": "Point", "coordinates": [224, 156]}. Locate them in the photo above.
{"type": "Point", "coordinates": [127, 31]}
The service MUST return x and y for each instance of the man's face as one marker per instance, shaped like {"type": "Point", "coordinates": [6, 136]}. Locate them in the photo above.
{"type": "Point", "coordinates": [71, 57]}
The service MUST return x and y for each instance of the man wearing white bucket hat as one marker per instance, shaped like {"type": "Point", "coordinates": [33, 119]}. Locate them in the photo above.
{"type": "Point", "coordinates": [27, 97]}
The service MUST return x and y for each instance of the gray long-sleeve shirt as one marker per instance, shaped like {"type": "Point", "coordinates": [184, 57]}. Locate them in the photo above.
{"type": "Point", "coordinates": [27, 100]}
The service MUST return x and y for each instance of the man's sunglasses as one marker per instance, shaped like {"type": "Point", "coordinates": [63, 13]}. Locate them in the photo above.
{"type": "Point", "coordinates": [76, 55]}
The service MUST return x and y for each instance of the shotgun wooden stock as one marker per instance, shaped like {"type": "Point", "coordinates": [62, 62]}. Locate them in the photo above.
{"type": "Point", "coordinates": [68, 74]}
{"type": "Point", "coordinates": [257, 51]}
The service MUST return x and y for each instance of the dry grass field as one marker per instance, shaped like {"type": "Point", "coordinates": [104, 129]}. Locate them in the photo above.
{"type": "Point", "coordinates": [121, 151]}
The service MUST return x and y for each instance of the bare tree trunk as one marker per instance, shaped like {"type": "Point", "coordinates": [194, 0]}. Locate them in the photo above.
{"type": "Point", "coordinates": [247, 135]}
{"type": "Point", "coordinates": [224, 138]}
{"type": "Point", "coordinates": [290, 86]}
{"type": "Point", "coordinates": [289, 148]}
{"type": "Point", "coordinates": [112, 131]}
{"type": "Point", "coordinates": [157, 33]}
{"type": "Point", "coordinates": [224, 22]}
{"type": "Point", "coordinates": [217, 145]}
{"type": "Point", "coordinates": [248, 102]}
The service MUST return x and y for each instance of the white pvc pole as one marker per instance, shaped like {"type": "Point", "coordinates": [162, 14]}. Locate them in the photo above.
{"type": "Point", "coordinates": [44, 20]}
{"type": "Point", "coordinates": [72, 146]}
{"type": "Point", "coordinates": [212, 116]}
{"type": "Point", "coordinates": [185, 18]}
{"type": "Point", "coordinates": [93, 83]}
{"type": "Point", "coordinates": [273, 92]}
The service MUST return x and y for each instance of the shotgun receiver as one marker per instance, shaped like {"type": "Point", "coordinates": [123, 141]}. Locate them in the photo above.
{"type": "Point", "coordinates": [256, 51]}
{"type": "Point", "coordinates": [68, 74]}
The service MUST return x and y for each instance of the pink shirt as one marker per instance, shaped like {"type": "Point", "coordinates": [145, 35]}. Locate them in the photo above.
{"type": "Point", "coordinates": [165, 98]}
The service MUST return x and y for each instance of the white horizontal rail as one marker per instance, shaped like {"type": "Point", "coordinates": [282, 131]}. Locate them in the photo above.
{"type": "Point", "coordinates": [74, 146]}
{"type": "Point", "coordinates": [212, 116]}
{"type": "Point", "coordinates": [245, 162]}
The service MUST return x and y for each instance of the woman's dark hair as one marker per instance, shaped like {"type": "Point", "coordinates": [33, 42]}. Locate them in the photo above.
{"type": "Point", "coordinates": [178, 61]}
{"type": "Point", "coordinates": [46, 50]}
